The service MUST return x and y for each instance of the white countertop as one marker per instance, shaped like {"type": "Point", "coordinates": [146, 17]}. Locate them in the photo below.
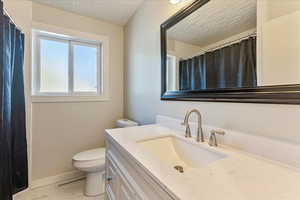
{"type": "Point", "coordinates": [239, 176]}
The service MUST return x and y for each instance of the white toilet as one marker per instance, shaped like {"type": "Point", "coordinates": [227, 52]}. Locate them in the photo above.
{"type": "Point", "coordinates": [92, 162]}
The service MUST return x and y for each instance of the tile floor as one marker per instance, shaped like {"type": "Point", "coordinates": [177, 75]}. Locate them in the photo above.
{"type": "Point", "coordinates": [72, 191]}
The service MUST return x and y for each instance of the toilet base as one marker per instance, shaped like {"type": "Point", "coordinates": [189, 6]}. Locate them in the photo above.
{"type": "Point", "coordinates": [94, 185]}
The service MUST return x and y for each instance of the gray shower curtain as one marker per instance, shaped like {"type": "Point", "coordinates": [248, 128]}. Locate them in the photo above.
{"type": "Point", "coordinates": [13, 145]}
{"type": "Point", "coordinates": [233, 66]}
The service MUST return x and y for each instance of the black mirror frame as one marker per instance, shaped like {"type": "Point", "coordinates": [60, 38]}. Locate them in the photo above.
{"type": "Point", "coordinates": [282, 94]}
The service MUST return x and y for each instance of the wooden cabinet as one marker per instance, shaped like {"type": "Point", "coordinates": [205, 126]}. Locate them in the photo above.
{"type": "Point", "coordinates": [127, 180]}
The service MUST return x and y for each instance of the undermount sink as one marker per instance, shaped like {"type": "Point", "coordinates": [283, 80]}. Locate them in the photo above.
{"type": "Point", "coordinates": [175, 151]}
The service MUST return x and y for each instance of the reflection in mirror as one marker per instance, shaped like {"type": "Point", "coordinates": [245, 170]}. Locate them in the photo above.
{"type": "Point", "coordinates": [280, 42]}
{"type": "Point", "coordinates": [214, 47]}
{"type": "Point", "coordinates": [220, 46]}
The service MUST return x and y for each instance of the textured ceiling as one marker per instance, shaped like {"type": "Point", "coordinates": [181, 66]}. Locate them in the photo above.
{"type": "Point", "coordinates": [116, 11]}
{"type": "Point", "coordinates": [215, 21]}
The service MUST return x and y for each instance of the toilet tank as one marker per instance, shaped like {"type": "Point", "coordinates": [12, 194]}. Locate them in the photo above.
{"type": "Point", "coordinates": [123, 123]}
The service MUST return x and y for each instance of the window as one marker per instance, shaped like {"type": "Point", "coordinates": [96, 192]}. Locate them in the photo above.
{"type": "Point", "coordinates": [172, 73]}
{"type": "Point", "coordinates": [66, 67]}
{"type": "Point", "coordinates": [54, 66]}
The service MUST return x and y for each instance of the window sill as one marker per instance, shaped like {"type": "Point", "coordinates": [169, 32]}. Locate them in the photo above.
{"type": "Point", "coordinates": [62, 99]}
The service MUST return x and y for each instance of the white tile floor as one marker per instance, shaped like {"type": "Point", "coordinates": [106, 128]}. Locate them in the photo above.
{"type": "Point", "coordinates": [72, 191]}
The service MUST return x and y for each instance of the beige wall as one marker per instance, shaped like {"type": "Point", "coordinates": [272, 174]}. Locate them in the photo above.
{"type": "Point", "coordinates": [280, 32]}
{"type": "Point", "coordinates": [62, 129]}
{"type": "Point", "coordinates": [142, 72]}
{"type": "Point", "coordinates": [181, 49]}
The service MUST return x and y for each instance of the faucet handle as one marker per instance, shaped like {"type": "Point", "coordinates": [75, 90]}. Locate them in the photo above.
{"type": "Point", "coordinates": [219, 132]}
{"type": "Point", "coordinates": [213, 138]}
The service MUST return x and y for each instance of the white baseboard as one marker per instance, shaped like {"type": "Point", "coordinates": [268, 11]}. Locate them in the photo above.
{"type": "Point", "coordinates": [61, 178]}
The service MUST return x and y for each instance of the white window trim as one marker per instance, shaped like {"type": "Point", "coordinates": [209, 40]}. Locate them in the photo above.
{"type": "Point", "coordinates": [75, 37]}
{"type": "Point", "coordinates": [175, 62]}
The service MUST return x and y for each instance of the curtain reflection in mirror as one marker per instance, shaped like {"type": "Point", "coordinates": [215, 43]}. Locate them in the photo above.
{"type": "Point", "coordinates": [233, 66]}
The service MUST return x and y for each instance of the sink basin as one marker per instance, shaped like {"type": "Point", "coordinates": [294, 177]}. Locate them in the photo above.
{"type": "Point", "coordinates": [176, 151]}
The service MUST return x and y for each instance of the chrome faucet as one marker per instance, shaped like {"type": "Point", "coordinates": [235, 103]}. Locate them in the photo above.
{"type": "Point", "coordinates": [213, 138]}
{"type": "Point", "coordinates": [200, 136]}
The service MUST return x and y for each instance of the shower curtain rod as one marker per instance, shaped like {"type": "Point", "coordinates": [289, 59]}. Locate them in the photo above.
{"type": "Point", "coordinates": [230, 42]}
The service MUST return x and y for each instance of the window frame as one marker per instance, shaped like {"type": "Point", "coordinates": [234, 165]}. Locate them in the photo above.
{"type": "Point", "coordinates": [174, 61]}
{"type": "Point", "coordinates": [102, 81]}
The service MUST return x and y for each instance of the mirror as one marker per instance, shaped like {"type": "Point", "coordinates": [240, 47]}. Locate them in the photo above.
{"type": "Point", "coordinates": [230, 47]}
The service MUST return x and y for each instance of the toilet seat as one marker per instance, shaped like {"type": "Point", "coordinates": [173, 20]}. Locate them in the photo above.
{"type": "Point", "coordinates": [90, 161]}
{"type": "Point", "coordinates": [91, 155]}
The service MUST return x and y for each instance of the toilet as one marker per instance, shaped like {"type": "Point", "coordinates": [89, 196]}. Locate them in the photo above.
{"type": "Point", "coordinates": [92, 162]}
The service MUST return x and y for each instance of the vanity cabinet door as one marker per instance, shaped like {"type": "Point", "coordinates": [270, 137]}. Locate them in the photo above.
{"type": "Point", "coordinates": [117, 187]}
{"type": "Point", "coordinates": [134, 182]}
{"type": "Point", "coordinates": [112, 181]}
{"type": "Point", "coordinates": [125, 192]}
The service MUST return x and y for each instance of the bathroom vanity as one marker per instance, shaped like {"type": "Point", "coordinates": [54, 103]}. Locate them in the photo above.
{"type": "Point", "coordinates": [158, 163]}
{"type": "Point", "coordinates": [126, 178]}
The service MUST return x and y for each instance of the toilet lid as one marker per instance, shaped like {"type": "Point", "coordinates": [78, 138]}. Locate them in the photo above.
{"type": "Point", "coordinates": [94, 154]}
